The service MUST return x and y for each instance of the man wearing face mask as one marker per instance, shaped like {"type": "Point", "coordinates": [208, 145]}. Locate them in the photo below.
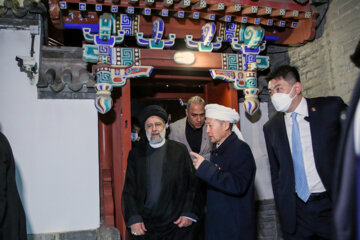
{"type": "Point", "coordinates": [301, 141]}
{"type": "Point", "coordinates": [159, 195]}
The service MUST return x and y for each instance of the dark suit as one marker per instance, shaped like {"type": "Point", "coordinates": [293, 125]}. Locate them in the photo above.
{"type": "Point", "coordinates": [324, 118]}
{"type": "Point", "coordinates": [12, 216]}
{"type": "Point", "coordinates": [178, 133]}
{"type": "Point", "coordinates": [345, 181]}
{"type": "Point", "coordinates": [177, 195]}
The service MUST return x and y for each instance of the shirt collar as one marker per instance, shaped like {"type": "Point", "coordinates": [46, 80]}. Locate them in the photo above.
{"type": "Point", "coordinates": [302, 109]}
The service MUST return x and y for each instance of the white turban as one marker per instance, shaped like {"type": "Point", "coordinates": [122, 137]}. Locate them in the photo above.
{"type": "Point", "coordinates": [223, 113]}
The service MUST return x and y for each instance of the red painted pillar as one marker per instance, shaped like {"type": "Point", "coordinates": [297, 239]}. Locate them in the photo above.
{"type": "Point", "coordinates": [105, 170]}
{"type": "Point", "coordinates": [121, 145]}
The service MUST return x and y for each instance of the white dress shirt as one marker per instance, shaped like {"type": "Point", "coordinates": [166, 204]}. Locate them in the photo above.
{"type": "Point", "coordinates": [314, 182]}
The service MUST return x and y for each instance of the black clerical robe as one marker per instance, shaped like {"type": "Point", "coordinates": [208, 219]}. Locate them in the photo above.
{"type": "Point", "coordinates": [178, 195]}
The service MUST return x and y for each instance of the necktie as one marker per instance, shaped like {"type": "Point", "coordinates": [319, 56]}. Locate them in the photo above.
{"type": "Point", "coordinates": [302, 188]}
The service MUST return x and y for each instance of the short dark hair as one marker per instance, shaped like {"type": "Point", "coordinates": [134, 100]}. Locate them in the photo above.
{"type": "Point", "coordinates": [195, 100]}
{"type": "Point", "coordinates": [287, 72]}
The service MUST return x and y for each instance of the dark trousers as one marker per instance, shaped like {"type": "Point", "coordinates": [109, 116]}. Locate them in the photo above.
{"type": "Point", "coordinates": [313, 220]}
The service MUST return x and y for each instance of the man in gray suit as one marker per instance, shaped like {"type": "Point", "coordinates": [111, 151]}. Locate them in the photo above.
{"type": "Point", "coordinates": [191, 129]}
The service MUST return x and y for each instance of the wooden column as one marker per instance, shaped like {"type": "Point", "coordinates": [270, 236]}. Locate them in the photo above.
{"type": "Point", "coordinates": [121, 145]}
{"type": "Point", "coordinates": [114, 147]}
{"type": "Point", "coordinates": [105, 170]}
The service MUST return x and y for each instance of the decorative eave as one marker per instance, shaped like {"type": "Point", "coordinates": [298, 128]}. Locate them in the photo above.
{"type": "Point", "coordinates": [63, 74]}
{"type": "Point", "coordinates": [292, 23]}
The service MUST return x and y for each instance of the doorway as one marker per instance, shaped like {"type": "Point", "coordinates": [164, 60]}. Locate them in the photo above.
{"type": "Point", "coordinates": [168, 88]}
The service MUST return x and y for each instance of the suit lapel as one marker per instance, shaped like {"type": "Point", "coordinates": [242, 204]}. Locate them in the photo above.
{"type": "Point", "coordinates": [315, 124]}
{"type": "Point", "coordinates": [183, 133]}
{"type": "Point", "coordinates": [284, 153]}
{"type": "Point", "coordinates": [204, 143]}
{"type": "Point", "coordinates": [283, 139]}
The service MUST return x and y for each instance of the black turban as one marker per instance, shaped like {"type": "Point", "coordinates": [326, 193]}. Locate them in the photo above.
{"type": "Point", "coordinates": [153, 110]}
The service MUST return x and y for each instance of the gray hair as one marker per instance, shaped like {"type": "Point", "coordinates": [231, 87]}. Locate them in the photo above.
{"type": "Point", "coordinates": [195, 100]}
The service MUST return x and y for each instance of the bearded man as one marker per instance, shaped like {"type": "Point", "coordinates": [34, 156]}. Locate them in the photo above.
{"type": "Point", "coordinates": [159, 193]}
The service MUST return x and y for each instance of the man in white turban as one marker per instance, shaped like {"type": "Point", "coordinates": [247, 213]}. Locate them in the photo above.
{"type": "Point", "coordinates": [229, 175]}
{"type": "Point", "coordinates": [222, 113]}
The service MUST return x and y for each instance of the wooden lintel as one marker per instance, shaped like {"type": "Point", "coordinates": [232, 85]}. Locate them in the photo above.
{"type": "Point", "coordinates": [130, 10]}
{"type": "Point", "coordinates": [264, 11]}
{"type": "Point", "coordinates": [226, 18]}
{"type": "Point", "coordinates": [234, 8]}
{"type": "Point", "coordinates": [291, 14]}
{"type": "Point", "coordinates": [179, 14]}
{"type": "Point", "coordinates": [267, 22]}
{"type": "Point", "coordinates": [240, 19]}
{"type": "Point", "coordinates": [184, 4]}
{"type": "Point", "coordinates": [304, 32]}
{"type": "Point", "coordinates": [149, 2]}
{"type": "Point", "coordinates": [146, 11]}
{"type": "Point", "coordinates": [199, 5]}
{"type": "Point", "coordinates": [280, 23]}
{"type": "Point", "coordinates": [195, 15]}
{"type": "Point", "coordinates": [132, 1]}
{"type": "Point", "coordinates": [304, 15]}
{"type": "Point", "coordinates": [278, 12]}
{"type": "Point", "coordinates": [249, 10]}
{"type": "Point", "coordinates": [185, 26]}
{"type": "Point", "coordinates": [182, 77]}
{"type": "Point", "coordinates": [167, 3]}
{"type": "Point", "coordinates": [254, 20]}
{"type": "Point", "coordinates": [165, 60]}
{"type": "Point", "coordinates": [207, 16]}
{"type": "Point", "coordinates": [217, 7]}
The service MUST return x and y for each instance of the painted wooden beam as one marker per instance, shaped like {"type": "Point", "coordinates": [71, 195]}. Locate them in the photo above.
{"type": "Point", "coordinates": [262, 11]}
{"type": "Point", "coordinates": [278, 12]}
{"type": "Point", "coordinates": [216, 7]}
{"type": "Point", "coordinates": [249, 10]}
{"type": "Point", "coordinates": [199, 5]}
{"type": "Point", "coordinates": [184, 4]}
{"type": "Point", "coordinates": [291, 14]}
{"type": "Point", "coordinates": [233, 8]}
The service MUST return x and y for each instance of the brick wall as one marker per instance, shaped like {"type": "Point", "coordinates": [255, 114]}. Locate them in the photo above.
{"type": "Point", "coordinates": [324, 64]}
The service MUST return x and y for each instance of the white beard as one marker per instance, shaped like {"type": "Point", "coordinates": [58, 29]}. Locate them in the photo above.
{"type": "Point", "coordinates": [158, 141]}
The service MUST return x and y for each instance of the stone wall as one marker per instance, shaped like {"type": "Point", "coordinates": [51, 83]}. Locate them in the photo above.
{"type": "Point", "coordinates": [324, 64]}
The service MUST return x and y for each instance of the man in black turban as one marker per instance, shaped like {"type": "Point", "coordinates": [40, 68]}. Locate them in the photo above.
{"type": "Point", "coordinates": [159, 195]}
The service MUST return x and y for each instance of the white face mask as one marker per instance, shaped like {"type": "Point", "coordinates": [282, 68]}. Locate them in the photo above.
{"type": "Point", "coordinates": [282, 101]}
{"type": "Point", "coordinates": [134, 136]}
